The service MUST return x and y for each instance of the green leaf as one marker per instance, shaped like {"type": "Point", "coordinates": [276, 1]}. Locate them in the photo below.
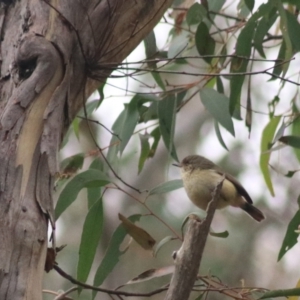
{"type": "Point", "coordinates": [293, 31]}
{"type": "Point", "coordinates": [166, 187]}
{"type": "Point", "coordinates": [89, 108]}
{"type": "Point", "coordinates": [101, 93]}
{"type": "Point", "coordinates": [239, 65]}
{"type": "Point", "coordinates": [166, 111]}
{"type": "Point", "coordinates": [94, 193]}
{"type": "Point", "coordinates": [215, 5]}
{"type": "Point", "coordinates": [266, 143]}
{"type": "Point", "coordinates": [75, 126]}
{"type": "Point", "coordinates": [130, 120]}
{"type": "Point", "coordinates": [281, 293]}
{"type": "Point", "coordinates": [145, 149]}
{"type": "Point", "coordinates": [220, 87]}
{"type": "Point", "coordinates": [278, 68]}
{"type": "Point", "coordinates": [218, 105]}
{"type": "Point", "coordinates": [250, 4]}
{"type": "Point", "coordinates": [89, 178]}
{"type": "Point", "coordinates": [72, 163]}
{"type": "Point", "coordinates": [151, 52]}
{"type": "Point", "coordinates": [291, 140]}
{"type": "Point", "coordinates": [112, 253]}
{"type": "Point", "coordinates": [286, 37]}
{"type": "Point", "coordinates": [290, 239]}
{"type": "Point", "coordinates": [91, 234]}
{"type": "Point", "coordinates": [196, 13]}
{"type": "Point", "coordinates": [219, 136]}
{"type": "Point", "coordinates": [164, 241]}
{"type": "Point", "coordinates": [296, 128]}
{"type": "Point", "coordinates": [156, 135]}
{"type": "Point", "coordinates": [204, 42]}
{"type": "Point", "coordinates": [178, 45]}
{"type": "Point", "coordinates": [222, 235]}
{"type": "Point", "coordinates": [262, 29]}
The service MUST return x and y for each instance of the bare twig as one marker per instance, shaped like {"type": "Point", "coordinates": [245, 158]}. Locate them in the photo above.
{"type": "Point", "coordinates": [106, 291]}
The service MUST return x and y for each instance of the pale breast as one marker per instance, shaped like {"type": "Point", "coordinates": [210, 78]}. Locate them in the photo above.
{"type": "Point", "coordinates": [199, 185]}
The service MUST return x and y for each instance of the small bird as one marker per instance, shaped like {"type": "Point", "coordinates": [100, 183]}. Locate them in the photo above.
{"type": "Point", "coordinates": [201, 176]}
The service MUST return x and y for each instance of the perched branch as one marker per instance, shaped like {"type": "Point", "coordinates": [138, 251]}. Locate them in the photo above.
{"type": "Point", "coordinates": [189, 256]}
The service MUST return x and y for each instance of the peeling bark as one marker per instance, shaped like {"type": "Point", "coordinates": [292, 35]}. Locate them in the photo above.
{"type": "Point", "coordinates": [51, 55]}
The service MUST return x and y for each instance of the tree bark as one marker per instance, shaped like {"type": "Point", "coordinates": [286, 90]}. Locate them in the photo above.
{"type": "Point", "coordinates": [188, 258]}
{"type": "Point", "coordinates": [53, 55]}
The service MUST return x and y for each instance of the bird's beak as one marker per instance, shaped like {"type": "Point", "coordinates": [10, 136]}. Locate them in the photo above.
{"type": "Point", "coordinates": [177, 165]}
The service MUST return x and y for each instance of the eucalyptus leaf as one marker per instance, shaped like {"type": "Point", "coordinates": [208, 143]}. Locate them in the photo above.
{"type": "Point", "coordinates": [266, 143]}
{"type": "Point", "coordinates": [166, 187]}
{"type": "Point", "coordinates": [91, 234]}
{"type": "Point", "coordinates": [89, 178]}
{"type": "Point", "coordinates": [218, 105]}
{"type": "Point", "coordinates": [112, 253]}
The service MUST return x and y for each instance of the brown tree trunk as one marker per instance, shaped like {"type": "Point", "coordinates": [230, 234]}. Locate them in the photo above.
{"type": "Point", "coordinates": [51, 54]}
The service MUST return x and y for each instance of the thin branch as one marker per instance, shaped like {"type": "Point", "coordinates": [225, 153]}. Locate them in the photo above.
{"type": "Point", "coordinates": [151, 213]}
{"type": "Point", "coordinates": [264, 71]}
{"type": "Point", "coordinates": [106, 291]}
{"type": "Point", "coordinates": [157, 60]}
{"type": "Point", "coordinates": [63, 295]}
{"type": "Point", "coordinates": [188, 258]}
{"type": "Point", "coordinates": [97, 122]}
{"type": "Point", "coordinates": [282, 78]}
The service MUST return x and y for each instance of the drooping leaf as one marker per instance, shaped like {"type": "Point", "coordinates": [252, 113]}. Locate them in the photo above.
{"type": "Point", "coordinates": [130, 120]}
{"type": "Point", "coordinates": [250, 4]}
{"type": "Point", "coordinates": [285, 33]}
{"type": "Point", "coordinates": [141, 236]}
{"type": "Point", "coordinates": [145, 149]}
{"type": "Point", "coordinates": [156, 135]}
{"type": "Point", "coordinates": [266, 143]}
{"type": "Point", "coordinates": [215, 5]}
{"type": "Point", "coordinates": [72, 163]}
{"type": "Point", "coordinates": [196, 13]}
{"type": "Point", "coordinates": [164, 241]}
{"type": "Point", "coordinates": [204, 42]}
{"type": "Point", "coordinates": [94, 193]}
{"type": "Point", "coordinates": [296, 128]}
{"type": "Point", "coordinates": [101, 93]}
{"type": "Point", "coordinates": [291, 140]}
{"type": "Point", "coordinates": [243, 9]}
{"type": "Point", "coordinates": [239, 65]}
{"type": "Point", "coordinates": [112, 254]}
{"type": "Point", "coordinates": [90, 107]}
{"type": "Point", "coordinates": [219, 135]}
{"type": "Point", "coordinates": [178, 45]}
{"type": "Point", "coordinates": [290, 239]}
{"type": "Point", "coordinates": [278, 66]}
{"type": "Point", "coordinates": [262, 29]}
{"type": "Point", "coordinates": [75, 126]}
{"type": "Point", "coordinates": [89, 178]}
{"type": "Point", "coordinates": [218, 105]}
{"type": "Point", "coordinates": [167, 118]}
{"type": "Point", "coordinates": [151, 51]}
{"type": "Point", "coordinates": [149, 113]}
{"type": "Point", "coordinates": [222, 235]}
{"type": "Point", "coordinates": [220, 87]}
{"type": "Point", "coordinates": [166, 187]}
{"type": "Point", "coordinates": [91, 234]}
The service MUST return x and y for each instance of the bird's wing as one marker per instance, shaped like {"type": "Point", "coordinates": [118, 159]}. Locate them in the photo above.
{"type": "Point", "coordinates": [237, 185]}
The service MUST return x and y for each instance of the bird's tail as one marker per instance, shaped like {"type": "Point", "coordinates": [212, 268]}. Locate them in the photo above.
{"type": "Point", "coordinates": [254, 212]}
